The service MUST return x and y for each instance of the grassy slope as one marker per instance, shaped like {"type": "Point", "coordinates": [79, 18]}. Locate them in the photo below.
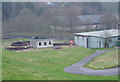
{"type": "Point", "coordinates": [106, 60]}
{"type": "Point", "coordinates": [47, 65]}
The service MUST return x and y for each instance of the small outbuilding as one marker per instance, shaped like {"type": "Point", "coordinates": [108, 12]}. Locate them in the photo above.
{"type": "Point", "coordinates": [37, 42]}
{"type": "Point", "coordinates": [97, 39]}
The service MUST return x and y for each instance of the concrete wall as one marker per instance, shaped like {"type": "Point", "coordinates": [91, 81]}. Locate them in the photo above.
{"type": "Point", "coordinates": [79, 40]}
{"type": "Point", "coordinates": [93, 42]}
{"type": "Point", "coordinates": [35, 43]}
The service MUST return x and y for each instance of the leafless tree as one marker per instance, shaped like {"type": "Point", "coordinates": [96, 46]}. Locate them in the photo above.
{"type": "Point", "coordinates": [109, 20]}
{"type": "Point", "coordinates": [47, 17]}
{"type": "Point", "coordinates": [24, 22]}
{"type": "Point", "coordinates": [72, 19]}
{"type": "Point", "coordinates": [88, 24]}
{"type": "Point", "coordinates": [106, 38]}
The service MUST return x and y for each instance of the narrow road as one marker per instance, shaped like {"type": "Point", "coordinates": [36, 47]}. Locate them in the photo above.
{"type": "Point", "coordinates": [78, 68]}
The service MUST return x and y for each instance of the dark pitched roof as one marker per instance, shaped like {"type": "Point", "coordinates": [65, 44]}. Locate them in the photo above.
{"type": "Point", "coordinates": [91, 19]}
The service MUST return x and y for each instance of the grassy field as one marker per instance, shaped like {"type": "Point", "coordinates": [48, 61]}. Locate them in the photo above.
{"type": "Point", "coordinates": [106, 60]}
{"type": "Point", "coordinates": [47, 64]}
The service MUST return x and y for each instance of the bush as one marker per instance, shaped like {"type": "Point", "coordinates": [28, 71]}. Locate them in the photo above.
{"type": "Point", "coordinates": [117, 43]}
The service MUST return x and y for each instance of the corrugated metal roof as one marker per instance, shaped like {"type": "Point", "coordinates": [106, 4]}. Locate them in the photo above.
{"type": "Point", "coordinates": [103, 33]}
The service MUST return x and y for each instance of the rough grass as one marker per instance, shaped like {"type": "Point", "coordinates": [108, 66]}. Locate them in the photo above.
{"type": "Point", "coordinates": [47, 64]}
{"type": "Point", "coordinates": [101, 48]}
{"type": "Point", "coordinates": [104, 61]}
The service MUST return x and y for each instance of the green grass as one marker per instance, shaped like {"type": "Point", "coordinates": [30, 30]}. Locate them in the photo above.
{"type": "Point", "coordinates": [47, 64]}
{"type": "Point", "coordinates": [102, 48]}
{"type": "Point", "coordinates": [104, 61]}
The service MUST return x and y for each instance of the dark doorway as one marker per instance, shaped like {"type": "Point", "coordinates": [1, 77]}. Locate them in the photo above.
{"type": "Point", "coordinates": [45, 43]}
{"type": "Point", "coordinates": [99, 44]}
{"type": "Point", "coordinates": [40, 44]}
{"type": "Point", "coordinates": [50, 43]}
{"type": "Point", "coordinates": [87, 43]}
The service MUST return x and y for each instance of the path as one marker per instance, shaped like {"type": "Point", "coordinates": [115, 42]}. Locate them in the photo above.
{"type": "Point", "coordinates": [78, 68]}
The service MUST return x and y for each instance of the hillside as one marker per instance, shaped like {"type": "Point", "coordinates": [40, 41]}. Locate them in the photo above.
{"type": "Point", "coordinates": [39, 8]}
{"type": "Point", "coordinates": [38, 18]}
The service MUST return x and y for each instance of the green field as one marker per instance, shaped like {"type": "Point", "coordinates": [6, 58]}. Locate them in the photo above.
{"type": "Point", "coordinates": [45, 64]}
{"type": "Point", "coordinates": [106, 60]}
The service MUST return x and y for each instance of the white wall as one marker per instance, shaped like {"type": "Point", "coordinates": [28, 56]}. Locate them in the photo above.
{"type": "Point", "coordinates": [93, 42]}
{"type": "Point", "coordinates": [35, 43]}
{"type": "Point", "coordinates": [42, 44]}
{"type": "Point", "coordinates": [79, 40]}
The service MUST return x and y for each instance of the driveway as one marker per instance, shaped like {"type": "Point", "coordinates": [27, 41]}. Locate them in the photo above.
{"type": "Point", "coordinates": [78, 68]}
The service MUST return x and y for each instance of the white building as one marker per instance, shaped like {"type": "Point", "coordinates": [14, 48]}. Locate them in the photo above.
{"type": "Point", "coordinates": [96, 39]}
{"type": "Point", "coordinates": [37, 42]}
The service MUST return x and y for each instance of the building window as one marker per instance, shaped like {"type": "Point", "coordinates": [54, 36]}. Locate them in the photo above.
{"type": "Point", "coordinates": [50, 43]}
{"type": "Point", "coordinates": [45, 43]}
{"type": "Point", "coordinates": [40, 44]}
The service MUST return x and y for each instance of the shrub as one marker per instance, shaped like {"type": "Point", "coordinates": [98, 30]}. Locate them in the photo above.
{"type": "Point", "coordinates": [117, 43]}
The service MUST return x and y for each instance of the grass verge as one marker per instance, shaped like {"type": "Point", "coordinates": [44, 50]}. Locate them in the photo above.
{"type": "Point", "coordinates": [105, 61]}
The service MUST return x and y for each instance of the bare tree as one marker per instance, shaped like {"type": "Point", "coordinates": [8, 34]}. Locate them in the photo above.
{"type": "Point", "coordinates": [109, 20]}
{"type": "Point", "coordinates": [88, 24]}
{"type": "Point", "coordinates": [55, 22]}
{"type": "Point", "coordinates": [71, 17]}
{"type": "Point", "coordinates": [47, 16]}
{"type": "Point", "coordinates": [106, 38]}
{"type": "Point", "coordinates": [24, 22]}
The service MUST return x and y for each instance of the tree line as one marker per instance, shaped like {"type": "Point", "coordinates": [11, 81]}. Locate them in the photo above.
{"type": "Point", "coordinates": [40, 18]}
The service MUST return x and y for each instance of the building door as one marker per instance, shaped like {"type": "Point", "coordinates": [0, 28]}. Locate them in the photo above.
{"type": "Point", "coordinates": [98, 44]}
{"type": "Point", "coordinates": [87, 42]}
